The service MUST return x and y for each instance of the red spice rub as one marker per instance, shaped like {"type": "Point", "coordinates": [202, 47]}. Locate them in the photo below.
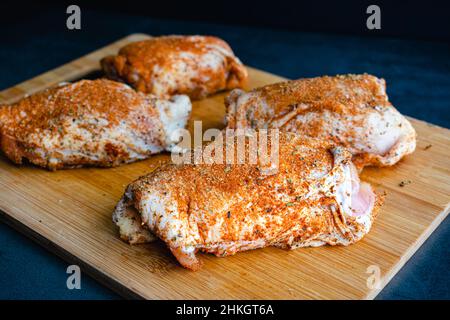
{"type": "Point", "coordinates": [194, 65]}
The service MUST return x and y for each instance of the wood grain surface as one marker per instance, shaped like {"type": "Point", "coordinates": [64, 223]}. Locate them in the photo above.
{"type": "Point", "coordinates": [69, 212]}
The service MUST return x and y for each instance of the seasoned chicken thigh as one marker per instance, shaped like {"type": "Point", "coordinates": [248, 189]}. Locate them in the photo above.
{"type": "Point", "coordinates": [351, 110]}
{"type": "Point", "coordinates": [194, 65]}
{"type": "Point", "coordinates": [312, 199]}
{"type": "Point", "coordinates": [96, 123]}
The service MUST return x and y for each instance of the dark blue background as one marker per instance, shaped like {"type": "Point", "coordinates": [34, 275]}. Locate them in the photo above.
{"type": "Point", "coordinates": [417, 74]}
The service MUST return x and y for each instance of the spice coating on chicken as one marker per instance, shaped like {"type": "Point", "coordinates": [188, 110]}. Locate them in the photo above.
{"type": "Point", "coordinates": [89, 122]}
{"type": "Point", "coordinates": [314, 198]}
{"type": "Point", "coordinates": [193, 65]}
{"type": "Point", "coordinates": [350, 110]}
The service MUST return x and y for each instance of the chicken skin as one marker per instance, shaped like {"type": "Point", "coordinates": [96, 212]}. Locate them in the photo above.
{"type": "Point", "coordinates": [350, 110]}
{"type": "Point", "coordinates": [91, 122]}
{"type": "Point", "coordinates": [312, 199]}
{"type": "Point", "coordinates": [193, 65]}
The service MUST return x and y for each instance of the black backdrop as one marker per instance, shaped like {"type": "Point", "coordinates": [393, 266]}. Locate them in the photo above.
{"type": "Point", "coordinates": [428, 19]}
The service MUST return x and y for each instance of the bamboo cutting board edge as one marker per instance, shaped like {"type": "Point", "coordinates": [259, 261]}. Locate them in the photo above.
{"type": "Point", "coordinates": [79, 68]}
{"type": "Point", "coordinates": [409, 253]}
{"type": "Point", "coordinates": [54, 248]}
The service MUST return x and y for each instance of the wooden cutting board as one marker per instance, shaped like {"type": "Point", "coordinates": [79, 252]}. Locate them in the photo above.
{"type": "Point", "coordinates": [69, 212]}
